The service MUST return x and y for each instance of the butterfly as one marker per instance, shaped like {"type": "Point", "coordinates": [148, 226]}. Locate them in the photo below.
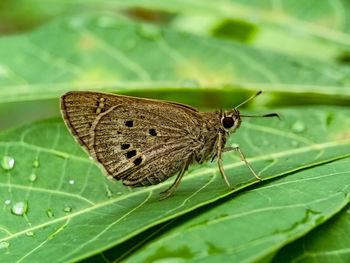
{"type": "Point", "coordinates": [144, 142]}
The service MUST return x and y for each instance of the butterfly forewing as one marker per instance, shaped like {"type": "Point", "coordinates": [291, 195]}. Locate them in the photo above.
{"type": "Point", "coordinates": [135, 140]}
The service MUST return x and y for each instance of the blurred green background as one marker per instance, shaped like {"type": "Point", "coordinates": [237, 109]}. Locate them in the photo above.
{"type": "Point", "coordinates": [298, 52]}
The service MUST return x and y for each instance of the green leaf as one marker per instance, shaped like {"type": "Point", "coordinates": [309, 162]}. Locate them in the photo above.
{"type": "Point", "coordinates": [110, 53]}
{"type": "Point", "coordinates": [321, 32]}
{"type": "Point", "coordinates": [56, 201]}
{"type": "Point", "coordinates": [256, 223]}
{"type": "Point", "coordinates": [327, 243]}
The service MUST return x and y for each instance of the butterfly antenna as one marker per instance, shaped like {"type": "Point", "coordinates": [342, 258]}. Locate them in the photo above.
{"type": "Point", "coordinates": [249, 99]}
{"type": "Point", "coordinates": [265, 115]}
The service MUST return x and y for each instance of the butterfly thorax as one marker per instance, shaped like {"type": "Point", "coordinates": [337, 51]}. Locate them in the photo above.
{"type": "Point", "coordinates": [209, 135]}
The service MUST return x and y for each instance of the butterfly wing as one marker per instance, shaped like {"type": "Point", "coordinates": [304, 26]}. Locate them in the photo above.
{"type": "Point", "coordinates": [137, 140]}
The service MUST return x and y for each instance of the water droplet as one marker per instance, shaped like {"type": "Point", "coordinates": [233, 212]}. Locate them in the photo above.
{"type": "Point", "coordinates": [57, 230]}
{"type": "Point", "coordinates": [109, 193]}
{"type": "Point", "coordinates": [4, 244]}
{"type": "Point", "coordinates": [49, 213]}
{"type": "Point", "coordinates": [32, 177]}
{"type": "Point", "coordinates": [67, 209]}
{"type": "Point", "coordinates": [60, 155]}
{"type": "Point", "coordinates": [91, 158]}
{"type": "Point", "coordinates": [149, 31]}
{"type": "Point", "coordinates": [298, 127]}
{"type": "Point", "coordinates": [36, 163]}
{"type": "Point", "coordinates": [29, 234]}
{"type": "Point", "coordinates": [7, 163]}
{"type": "Point", "coordinates": [71, 182]}
{"type": "Point", "coordinates": [190, 83]}
{"type": "Point", "coordinates": [20, 208]}
{"type": "Point", "coordinates": [7, 202]}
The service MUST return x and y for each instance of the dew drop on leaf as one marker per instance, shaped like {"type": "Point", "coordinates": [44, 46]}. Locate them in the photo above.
{"type": "Point", "coordinates": [67, 209]}
{"type": "Point", "coordinates": [109, 193]}
{"type": "Point", "coordinates": [7, 163]}
{"type": "Point", "coordinates": [4, 244]}
{"type": "Point", "coordinates": [36, 163]}
{"type": "Point", "coordinates": [29, 234]}
{"type": "Point", "coordinates": [20, 208]}
{"type": "Point", "coordinates": [49, 213]}
{"type": "Point", "coordinates": [32, 177]}
{"type": "Point", "coordinates": [71, 182]}
{"type": "Point", "coordinates": [7, 202]}
{"type": "Point", "coordinates": [149, 31]}
{"type": "Point", "coordinates": [298, 127]}
{"type": "Point", "coordinates": [57, 230]}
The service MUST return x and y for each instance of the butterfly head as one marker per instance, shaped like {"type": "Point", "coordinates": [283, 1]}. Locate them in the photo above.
{"type": "Point", "coordinates": [231, 120]}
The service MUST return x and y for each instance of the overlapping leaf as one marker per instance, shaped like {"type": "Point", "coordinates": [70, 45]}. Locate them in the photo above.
{"type": "Point", "coordinates": [327, 243]}
{"type": "Point", "coordinates": [255, 224]}
{"type": "Point", "coordinates": [317, 28]}
{"type": "Point", "coordinates": [109, 53]}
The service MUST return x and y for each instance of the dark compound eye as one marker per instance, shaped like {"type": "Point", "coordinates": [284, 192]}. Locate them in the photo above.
{"type": "Point", "coordinates": [228, 122]}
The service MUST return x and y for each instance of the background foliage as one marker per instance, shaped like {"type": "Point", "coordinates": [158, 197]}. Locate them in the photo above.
{"type": "Point", "coordinates": [56, 203]}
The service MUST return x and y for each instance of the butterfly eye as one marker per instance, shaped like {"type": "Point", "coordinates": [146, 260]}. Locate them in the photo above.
{"type": "Point", "coordinates": [227, 122]}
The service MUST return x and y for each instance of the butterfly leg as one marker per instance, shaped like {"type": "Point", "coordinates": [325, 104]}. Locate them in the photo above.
{"type": "Point", "coordinates": [221, 168]}
{"type": "Point", "coordinates": [169, 191]}
{"type": "Point", "coordinates": [243, 159]}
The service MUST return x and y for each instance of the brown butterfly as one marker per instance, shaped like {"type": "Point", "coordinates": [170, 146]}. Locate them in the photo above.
{"type": "Point", "coordinates": [143, 141]}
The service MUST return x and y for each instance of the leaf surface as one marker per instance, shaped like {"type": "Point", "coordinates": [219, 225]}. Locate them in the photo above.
{"type": "Point", "coordinates": [107, 53]}
{"type": "Point", "coordinates": [318, 28]}
{"type": "Point", "coordinates": [256, 223]}
{"type": "Point", "coordinates": [327, 243]}
{"type": "Point", "coordinates": [70, 209]}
